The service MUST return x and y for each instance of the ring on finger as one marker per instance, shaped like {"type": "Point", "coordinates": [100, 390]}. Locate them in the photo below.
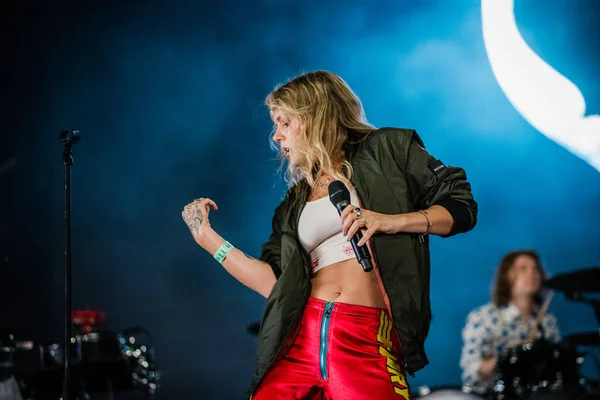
{"type": "Point", "coordinates": [358, 212]}
{"type": "Point", "coordinates": [365, 221]}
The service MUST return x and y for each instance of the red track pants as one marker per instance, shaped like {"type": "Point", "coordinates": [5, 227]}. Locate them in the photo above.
{"type": "Point", "coordinates": [342, 352]}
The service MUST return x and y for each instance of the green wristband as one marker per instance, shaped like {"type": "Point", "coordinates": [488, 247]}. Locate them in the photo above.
{"type": "Point", "coordinates": [223, 251]}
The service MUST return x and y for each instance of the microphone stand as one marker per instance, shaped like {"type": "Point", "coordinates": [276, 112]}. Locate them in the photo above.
{"type": "Point", "coordinates": [68, 138]}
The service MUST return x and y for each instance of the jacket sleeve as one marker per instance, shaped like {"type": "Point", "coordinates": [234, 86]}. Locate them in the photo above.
{"type": "Point", "coordinates": [271, 250]}
{"type": "Point", "coordinates": [431, 182]}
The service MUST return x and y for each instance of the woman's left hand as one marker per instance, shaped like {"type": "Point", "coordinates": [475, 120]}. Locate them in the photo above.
{"type": "Point", "coordinates": [355, 218]}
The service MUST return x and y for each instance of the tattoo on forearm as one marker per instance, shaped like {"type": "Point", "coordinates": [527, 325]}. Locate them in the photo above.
{"type": "Point", "coordinates": [193, 215]}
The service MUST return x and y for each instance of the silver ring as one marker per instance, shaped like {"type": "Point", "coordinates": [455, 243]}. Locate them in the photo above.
{"type": "Point", "coordinates": [358, 212]}
{"type": "Point", "coordinates": [365, 221]}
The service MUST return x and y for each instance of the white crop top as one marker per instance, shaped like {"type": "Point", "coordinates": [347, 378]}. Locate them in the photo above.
{"type": "Point", "coordinates": [320, 233]}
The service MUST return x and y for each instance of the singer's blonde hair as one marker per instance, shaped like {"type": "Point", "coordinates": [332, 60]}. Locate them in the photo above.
{"type": "Point", "coordinates": [330, 114]}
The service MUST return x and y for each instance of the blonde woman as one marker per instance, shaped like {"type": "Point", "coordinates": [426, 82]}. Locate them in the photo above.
{"type": "Point", "coordinates": [330, 329]}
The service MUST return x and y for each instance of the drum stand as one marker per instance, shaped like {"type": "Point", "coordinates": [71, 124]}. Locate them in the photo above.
{"type": "Point", "coordinates": [68, 138]}
{"type": "Point", "coordinates": [111, 394]}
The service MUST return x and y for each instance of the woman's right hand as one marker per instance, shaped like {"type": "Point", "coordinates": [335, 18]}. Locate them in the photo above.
{"type": "Point", "coordinates": [195, 215]}
{"type": "Point", "coordinates": [488, 367]}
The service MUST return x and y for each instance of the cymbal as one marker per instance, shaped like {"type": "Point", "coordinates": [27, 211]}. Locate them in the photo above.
{"type": "Point", "coordinates": [253, 328]}
{"type": "Point", "coordinates": [579, 281]}
{"type": "Point", "coordinates": [584, 339]}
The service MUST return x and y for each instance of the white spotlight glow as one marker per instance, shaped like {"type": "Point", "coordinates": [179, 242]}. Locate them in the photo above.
{"type": "Point", "coordinates": [545, 99]}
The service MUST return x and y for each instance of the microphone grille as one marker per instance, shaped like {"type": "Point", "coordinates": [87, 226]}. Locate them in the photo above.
{"type": "Point", "coordinates": [338, 192]}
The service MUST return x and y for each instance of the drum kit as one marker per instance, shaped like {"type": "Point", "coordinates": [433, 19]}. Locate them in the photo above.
{"type": "Point", "coordinates": [102, 362]}
{"type": "Point", "coordinates": [539, 369]}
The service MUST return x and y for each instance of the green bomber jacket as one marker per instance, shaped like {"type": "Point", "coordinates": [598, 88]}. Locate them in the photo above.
{"type": "Point", "coordinates": [392, 174]}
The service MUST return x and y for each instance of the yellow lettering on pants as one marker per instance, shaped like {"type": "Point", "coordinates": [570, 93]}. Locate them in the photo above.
{"type": "Point", "coordinates": [397, 378]}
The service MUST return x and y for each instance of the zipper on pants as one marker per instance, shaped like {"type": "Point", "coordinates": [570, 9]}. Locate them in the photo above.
{"type": "Point", "coordinates": [324, 338]}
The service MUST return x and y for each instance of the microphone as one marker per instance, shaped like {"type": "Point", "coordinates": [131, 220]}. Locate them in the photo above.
{"type": "Point", "coordinates": [340, 198]}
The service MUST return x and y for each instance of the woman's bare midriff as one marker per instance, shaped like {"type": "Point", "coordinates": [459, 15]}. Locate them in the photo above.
{"type": "Point", "coordinates": [346, 282]}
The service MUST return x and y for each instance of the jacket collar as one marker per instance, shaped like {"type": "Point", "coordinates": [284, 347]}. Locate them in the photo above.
{"type": "Point", "coordinates": [351, 146]}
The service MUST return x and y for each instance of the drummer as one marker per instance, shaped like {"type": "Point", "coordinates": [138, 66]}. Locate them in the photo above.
{"type": "Point", "coordinates": [507, 321]}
